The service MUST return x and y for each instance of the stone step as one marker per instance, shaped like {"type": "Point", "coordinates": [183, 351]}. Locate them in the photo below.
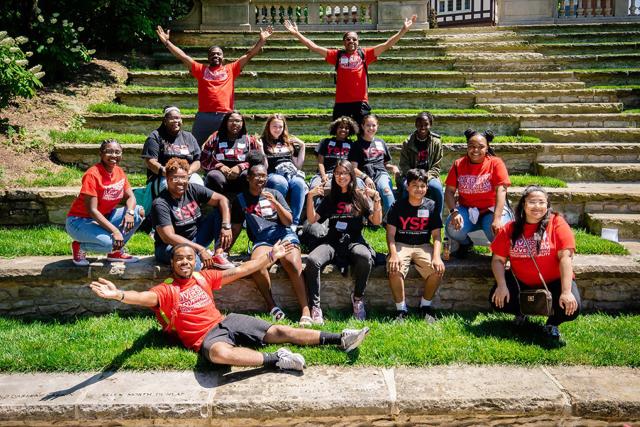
{"type": "Point", "coordinates": [527, 85]}
{"type": "Point", "coordinates": [577, 121]}
{"type": "Point", "coordinates": [324, 79]}
{"type": "Point", "coordinates": [516, 76]}
{"type": "Point", "coordinates": [550, 108]}
{"type": "Point", "coordinates": [599, 172]}
{"type": "Point", "coordinates": [392, 124]}
{"type": "Point", "coordinates": [31, 206]}
{"type": "Point", "coordinates": [578, 36]}
{"type": "Point", "coordinates": [53, 285]}
{"type": "Point", "coordinates": [608, 77]}
{"type": "Point", "coordinates": [582, 48]}
{"type": "Point", "coordinates": [587, 95]}
{"type": "Point", "coordinates": [519, 157]}
{"type": "Point", "coordinates": [591, 135]}
{"type": "Point", "coordinates": [628, 225]}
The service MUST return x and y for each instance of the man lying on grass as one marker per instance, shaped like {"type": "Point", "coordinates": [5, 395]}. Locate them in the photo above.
{"type": "Point", "coordinates": [184, 305]}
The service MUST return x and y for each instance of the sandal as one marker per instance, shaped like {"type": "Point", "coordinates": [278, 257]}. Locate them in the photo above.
{"type": "Point", "coordinates": [277, 314]}
{"type": "Point", "coordinates": [305, 321]}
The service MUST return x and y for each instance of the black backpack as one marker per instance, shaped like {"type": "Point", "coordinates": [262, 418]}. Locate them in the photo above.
{"type": "Point", "coordinates": [343, 52]}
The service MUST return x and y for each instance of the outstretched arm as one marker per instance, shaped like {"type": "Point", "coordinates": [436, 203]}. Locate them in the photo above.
{"type": "Point", "coordinates": [175, 50]}
{"type": "Point", "coordinates": [107, 290]}
{"type": "Point", "coordinates": [292, 27]}
{"type": "Point", "coordinates": [247, 268]}
{"type": "Point", "coordinates": [264, 35]}
{"type": "Point", "coordinates": [381, 48]}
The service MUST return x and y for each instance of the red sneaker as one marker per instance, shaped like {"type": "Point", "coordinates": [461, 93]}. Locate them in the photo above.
{"type": "Point", "coordinates": [221, 262]}
{"type": "Point", "coordinates": [121, 256]}
{"type": "Point", "coordinates": [79, 256]}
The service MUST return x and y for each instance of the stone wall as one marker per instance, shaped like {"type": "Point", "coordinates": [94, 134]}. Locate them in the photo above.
{"type": "Point", "coordinates": [45, 286]}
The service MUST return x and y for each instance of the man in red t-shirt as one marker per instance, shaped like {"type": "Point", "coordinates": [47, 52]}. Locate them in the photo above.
{"type": "Point", "coordinates": [215, 82]}
{"type": "Point", "coordinates": [351, 69]}
{"type": "Point", "coordinates": [185, 306]}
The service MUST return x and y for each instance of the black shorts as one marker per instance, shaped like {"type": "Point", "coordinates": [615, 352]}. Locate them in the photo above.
{"type": "Point", "coordinates": [236, 329]}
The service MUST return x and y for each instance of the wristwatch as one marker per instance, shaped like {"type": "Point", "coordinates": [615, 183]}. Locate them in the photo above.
{"type": "Point", "coordinates": [226, 226]}
{"type": "Point", "coordinates": [131, 212]}
{"type": "Point", "coordinates": [452, 210]}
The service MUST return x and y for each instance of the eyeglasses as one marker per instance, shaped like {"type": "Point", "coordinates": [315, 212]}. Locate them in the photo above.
{"type": "Point", "coordinates": [113, 152]}
{"type": "Point", "coordinates": [535, 202]}
{"type": "Point", "coordinates": [179, 179]}
{"type": "Point", "coordinates": [341, 173]}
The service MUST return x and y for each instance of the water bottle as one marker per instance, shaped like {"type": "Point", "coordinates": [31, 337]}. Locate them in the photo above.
{"type": "Point", "coordinates": [446, 249]}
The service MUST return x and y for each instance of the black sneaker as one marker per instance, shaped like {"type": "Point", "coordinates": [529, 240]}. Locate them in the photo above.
{"type": "Point", "coordinates": [553, 335]}
{"type": "Point", "coordinates": [463, 251]}
{"type": "Point", "coordinates": [428, 314]}
{"type": "Point", "coordinates": [520, 320]}
{"type": "Point", "coordinates": [401, 315]}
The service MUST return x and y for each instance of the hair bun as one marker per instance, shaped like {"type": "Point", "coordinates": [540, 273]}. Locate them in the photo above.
{"type": "Point", "coordinates": [489, 135]}
{"type": "Point", "coordinates": [469, 133]}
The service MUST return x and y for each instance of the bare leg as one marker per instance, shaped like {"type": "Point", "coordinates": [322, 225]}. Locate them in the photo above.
{"type": "Point", "coordinates": [226, 354]}
{"type": "Point", "coordinates": [431, 286]}
{"type": "Point", "coordinates": [292, 264]}
{"type": "Point", "coordinates": [261, 278]}
{"type": "Point", "coordinates": [396, 283]}
{"type": "Point", "coordinates": [279, 334]}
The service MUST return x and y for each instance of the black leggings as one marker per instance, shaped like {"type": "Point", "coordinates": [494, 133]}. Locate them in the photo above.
{"type": "Point", "coordinates": [359, 258]}
{"type": "Point", "coordinates": [216, 181]}
{"type": "Point", "coordinates": [513, 306]}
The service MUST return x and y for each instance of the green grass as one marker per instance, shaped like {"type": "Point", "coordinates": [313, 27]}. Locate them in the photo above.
{"type": "Point", "coordinates": [54, 241]}
{"type": "Point", "coordinates": [263, 90]}
{"type": "Point", "coordinates": [544, 181]}
{"type": "Point", "coordinates": [135, 343]}
{"type": "Point", "coordinates": [635, 87]}
{"type": "Point", "coordinates": [69, 176]}
{"type": "Point", "coordinates": [113, 108]}
{"type": "Point", "coordinates": [632, 111]}
{"type": "Point", "coordinates": [95, 136]}
{"type": "Point", "coordinates": [606, 70]}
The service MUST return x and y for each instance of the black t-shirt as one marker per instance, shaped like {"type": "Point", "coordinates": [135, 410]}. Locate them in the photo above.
{"type": "Point", "coordinates": [341, 217]}
{"type": "Point", "coordinates": [263, 211]}
{"type": "Point", "coordinates": [162, 146]}
{"type": "Point", "coordinates": [183, 214]}
{"type": "Point", "coordinates": [278, 153]}
{"type": "Point", "coordinates": [370, 156]}
{"type": "Point", "coordinates": [414, 224]}
{"type": "Point", "coordinates": [333, 151]}
{"type": "Point", "coordinates": [423, 154]}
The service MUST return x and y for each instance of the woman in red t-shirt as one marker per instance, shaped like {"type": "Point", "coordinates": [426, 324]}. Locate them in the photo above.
{"type": "Point", "coordinates": [481, 180]}
{"type": "Point", "coordinates": [94, 221]}
{"type": "Point", "coordinates": [538, 234]}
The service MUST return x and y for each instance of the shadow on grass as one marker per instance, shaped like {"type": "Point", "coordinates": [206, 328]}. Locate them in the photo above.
{"type": "Point", "coordinates": [529, 333]}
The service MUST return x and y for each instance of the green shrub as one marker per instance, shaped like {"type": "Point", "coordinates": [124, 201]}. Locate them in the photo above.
{"type": "Point", "coordinates": [16, 80]}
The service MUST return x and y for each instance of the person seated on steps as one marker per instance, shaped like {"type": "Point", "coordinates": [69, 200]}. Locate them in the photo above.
{"type": "Point", "coordinates": [268, 220]}
{"type": "Point", "coordinates": [285, 159]}
{"type": "Point", "coordinates": [411, 223]}
{"type": "Point", "coordinates": [184, 305]}
{"type": "Point", "coordinates": [423, 150]}
{"type": "Point", "coordinates": [481, 180]}
{"type": "Point", "coordinates": [346, 208]}
{"type": "Point", "coordinates": [351, 66]}
{"type": "Point", "coordinates": [94, 222]}
{"type": "Point", "coordinates": [178, 218]}
{"type": "Point", "coordinates": [215, 81]}
{"type": "Point", "coordinates": [224, 156]}
{"type": "Point", "coordinates": [540, 246]}
{"type": "Point", "coordinates": [370, 157]}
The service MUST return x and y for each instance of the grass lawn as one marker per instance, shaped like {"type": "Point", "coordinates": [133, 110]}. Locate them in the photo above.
{"type": "Point", "coordinates": [96, 136]}
{"type": "Point", "coordinates": [136, 343]}
{"type": "Point", "coordinates": [52, 241]}
{"type": "Point", "coordinates": [70, 176]}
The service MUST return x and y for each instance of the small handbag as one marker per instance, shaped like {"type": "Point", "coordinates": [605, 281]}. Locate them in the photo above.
{"type": "Point", "coordinates": [537, 302]}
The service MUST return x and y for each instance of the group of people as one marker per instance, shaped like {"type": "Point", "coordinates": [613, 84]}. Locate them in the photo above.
{"type": "Point", "coordinates": [257, 183]}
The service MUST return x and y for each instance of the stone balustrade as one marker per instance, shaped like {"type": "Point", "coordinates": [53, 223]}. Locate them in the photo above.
{"type": "Point", "coordinates": [585, 8]}
{"type": "Point", "coordinates": [359, 14]}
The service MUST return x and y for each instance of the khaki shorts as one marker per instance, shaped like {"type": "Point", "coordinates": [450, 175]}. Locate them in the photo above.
{"type": "Point", "coordinates": [419, 255]}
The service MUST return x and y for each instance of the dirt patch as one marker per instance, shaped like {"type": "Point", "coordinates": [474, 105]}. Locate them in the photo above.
{"type": "Point", "coordinates": [27, 145]}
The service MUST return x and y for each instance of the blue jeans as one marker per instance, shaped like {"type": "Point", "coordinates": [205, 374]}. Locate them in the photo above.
{"type": "Point", "coordinates": [484, 223]}
{"type": "Point", "coordinates": [205, 124]}
{"type": "Point", "coordinates": [434, 192]}
{"type": "Point", "coordinates": [94, 238]}
{"type": "Point", "coordinates": [384, 185]}
{"type": "Point", "coordinates": [296, 188]}
{"type": "Point", "coordinates": [208, 229]}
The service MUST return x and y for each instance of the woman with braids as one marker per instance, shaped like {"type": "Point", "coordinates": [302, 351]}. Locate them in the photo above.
{"type": "Point", "coordinates": [331, 150]}
{"type": "Point", "coordinates": [481, 180]}
{"type": "Point", "coordinates": [285, 158]}
{"type": "Point", "coordinates": [346, 208]}
{"type": "Point", "coordinates": [539, 245]}
{"type": "Point", "coordinates": [224, 155]}
{"type": "Point", "coordinates": [94, 222]}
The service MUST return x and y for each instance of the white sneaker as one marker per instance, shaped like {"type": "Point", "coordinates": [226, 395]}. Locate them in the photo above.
{"type": "Point", "coordinates": [290, 361]}
{"type": "Point", "coordinates": [352, 338]}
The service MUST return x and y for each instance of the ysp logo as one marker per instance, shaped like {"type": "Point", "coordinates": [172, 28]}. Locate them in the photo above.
{"type": "Point", "coordinates": [414, 223]}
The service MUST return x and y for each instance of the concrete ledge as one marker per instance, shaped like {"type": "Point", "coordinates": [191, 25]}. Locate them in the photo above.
{"type": "Point", "coordinates": [326, 396]}
{"type": "Point", "coordinates": [44, 286]}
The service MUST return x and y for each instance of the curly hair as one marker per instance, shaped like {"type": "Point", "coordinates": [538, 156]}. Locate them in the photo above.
{"type": "Point", "coordinates": [521, 217]}
{"type": "Point", "coordinates": [353, 126]}
{"type": "Point", "coordinates": [174, 164]}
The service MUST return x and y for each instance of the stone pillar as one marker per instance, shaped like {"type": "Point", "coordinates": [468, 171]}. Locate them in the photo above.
{"type": "Point", "coordinates": [514, 12]}
{"type": "Point", "coordinates": [621, 8]}
{"type": "Point", "coordinates": [226, 15]}
{"type": "Point", "coordinates": [391, 14]}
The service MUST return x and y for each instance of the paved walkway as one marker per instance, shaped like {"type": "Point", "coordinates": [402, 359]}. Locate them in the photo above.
{"type": "Point", "coordinates": [345, 394]}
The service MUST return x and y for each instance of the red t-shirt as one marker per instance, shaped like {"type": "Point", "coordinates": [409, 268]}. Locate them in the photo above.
{"type": "Point", "coordinates": [351, 80]}
{"type": "Point", "coordinates": [215, 86]}
{"type": "Point", "coordinates": [477, 182]}
{"type": "Point", "coordinates": [108, 188]}
{"type": "Point", "coordinates": [558, 236]}
{"type": "Point", "coordinates": [197, 312]}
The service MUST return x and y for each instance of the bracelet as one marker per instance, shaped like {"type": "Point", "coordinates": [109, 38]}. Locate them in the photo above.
{"type": "Point", "coordinates": [122, 297]}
